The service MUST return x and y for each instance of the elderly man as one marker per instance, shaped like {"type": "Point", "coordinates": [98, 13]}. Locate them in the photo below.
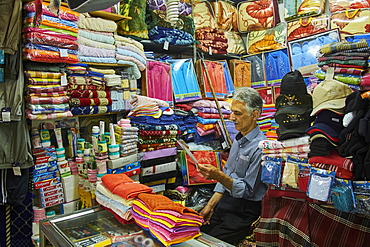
{"type": "Point", "coordinates": [236, 203]}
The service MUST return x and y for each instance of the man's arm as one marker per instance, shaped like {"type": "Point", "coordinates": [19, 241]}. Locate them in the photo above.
{"type": "Point", "coordinates": [208, 210]}
{"type": "Point", "coordinates": [210, 172]}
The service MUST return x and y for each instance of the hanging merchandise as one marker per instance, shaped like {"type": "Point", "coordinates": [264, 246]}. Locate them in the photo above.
{"type": "Point", "coordinates": [307, 26]}
{"type": "Point", "coordinates": [226, 15]}
{"type": "Point", "coordinates": [203, 15]}
{"type": "Point", "coordinates": [257, 70]}
{"type": "Point", "coordinates": [340, 5]}
{"type": "Point", "coordinates": [319, 186]}
{"type": "Point", "coordinates": [265, 40]}
{"type": "Point", "coordinates": [351, 22]}
{"type": "Point", "coordinates": [271, 171]}
{"type": "Point", "coordinates": [158, 83]}
{"type": "Point", "coordinates": [228, 78]}
{"type": "Point", "coordinates": [184, 81]}
{"type": "Point", "coordinates": [295, 9]}
{"type": "Point", "coordinates": [136, 26]}
{"type": "Point", "coordinates": [240, 72]}
{"type": "Point", "coordinates": [235, 44]}
{"type": "Point", "coordinates": [211, 40]}
{"type": "Point", "coordinates": [257, 15]}
{"type": "Point", "coordinates": [276, 66]}
{"type": "Point", "coordinates": [216, 72]}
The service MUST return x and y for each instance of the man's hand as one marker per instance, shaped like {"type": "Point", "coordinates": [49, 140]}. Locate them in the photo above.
{"type": "Point", "coordinates": [209, 171]}
{"type": "Point", "coordinates": [207, 213]}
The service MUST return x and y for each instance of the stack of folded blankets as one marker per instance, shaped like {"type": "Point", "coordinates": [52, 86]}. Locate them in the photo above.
{"type": "Point", "coordinates": [267, 123]}
{"type": "Point", "coordinates": [186, 119]}
{"type": "Point", "coordinates": [89, 94]}
{"type": "Point", "coordinates": [46, 98]}
{"type": "Point", "coordinates": [127, 137]}
{"type": "Point", "coordinates": [170, 222]}
{"type": "Point", "coordinates": [130, 52]}
{"type": "Point", "coordinates": [208, 115]}
{"type": "Point", "coordinates": [96, 41]}
{"type": "Point", "coordinates": [49, 37]}
{"type": "Point", "coordinates": [117, 192]}
{"type": "Point", "coordinates": [211, 40]}
{"type": "Point", "coordinates": [349, 61]}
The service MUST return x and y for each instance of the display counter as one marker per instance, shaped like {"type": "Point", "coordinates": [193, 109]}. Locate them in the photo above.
{"type": "Point", "coordinates": [98, 227]}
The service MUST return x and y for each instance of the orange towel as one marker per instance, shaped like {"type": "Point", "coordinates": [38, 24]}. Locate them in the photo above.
{"type": "Point", "coordinates": [159, 202]}
{"type": "Point", "coordinates": [112, 180]}
{"type": "Point", "coordinates": [131, 190]}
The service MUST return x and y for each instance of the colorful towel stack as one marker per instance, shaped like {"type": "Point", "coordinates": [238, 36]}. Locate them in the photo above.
{"type": "Point", "coordinates": [96, 41]}
{"type": "Point", "coordinates": [117, 193]}
{"type": "Point", "coordinates": [267, 123]}
{"type": "Point", "coordinates": [127, 137]}
{"type": "Point", "coordinates": [170, 222]}
{"type": "Point", "coordinates": [186, 119]}
{"type": "Point", "coordinates": [207, 117]}
{"type": "Point", "coordinates": [89, 94]}
{"type": "Point", "coordinates": [130, 52]}
{"type": "Point", "coordinates": [50, 38]}
{"type": "Point", "coordinates": [46, 98]}
{"type": "Point", "coordinates": [348, 59]}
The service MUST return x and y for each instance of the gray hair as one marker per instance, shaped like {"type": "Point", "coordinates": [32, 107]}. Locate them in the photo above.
{"type": "Point", "coordinates": [251, 98]}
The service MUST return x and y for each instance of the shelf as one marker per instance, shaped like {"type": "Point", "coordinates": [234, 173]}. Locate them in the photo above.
{"type": "Point", "coordinates": [109, 16]}
{"type": "Point", "coordinates": [103, 114]}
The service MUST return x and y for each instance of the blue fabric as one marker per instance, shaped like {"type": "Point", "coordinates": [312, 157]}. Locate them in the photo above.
{"type": "Point", "coordinates": [277, 65]}
{"type": "Point", "coordinates": [229, 81]}
{"type": "Point", "coordinates": [54, 19]}
{"type": "Point", "coordinates": [97, 59]}
{"type": "Point", "coordinates": [87, 110]}
{"type": "Point", "coordinates": [357, 38]}
{"type": "Point", "coordinates": [48, 48]}
{"type": "Point", "coordinates": [207, 120]}
{"type": "Point", "coordinates": [184, 81]}
{"type": "Point", "coordinates": [172, 36]}
{"type": "Point", "coordinates": [203, 139]}
{"type": "Point", "coordinates": [131, 54]}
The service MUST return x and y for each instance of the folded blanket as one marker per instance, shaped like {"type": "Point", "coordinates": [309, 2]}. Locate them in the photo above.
{"type": "Point", "coordinates": [139, 64]}
{"type": "Point", "coordinates": [48, 56]}
{"type": "Point", "coordinates": [133, 49]}
{"type": "Point", "coordinates": [103, 71]}
{"type": "Point", "coordinates": [90, 51]}
{"type": "Point", "coordinates": [42, 74]}
{"type": "Point", "coordinates": [97, 24]}
{"type": "Point", "coordinates": [43, 81]}
{"type": "Point", "coordinates": [170, 35]}
{"type": "Point", "coordinates": [87, 110]}
{"type": "Point", "coordinates": [64, 12]}
{"type": "Point", "coordinates": [122, 40]}
{"type": "Point", "coordinates": [54, 19]}
{"type": "Point", "coordinates": [97, 59]}
{"type": "Point", "coordinates": [47, 100]}
{"type": "Point", "coordinates": [89, 94]}
{"type": "Point", "coordinates": [156, 127]}
{"type": "Point", "coordinates": [30, 26]}
{"type": "Point", "coordinates": [50, 33]}
{"type": "Point", "coordinates": [88, 42]}
{"type": "Point", "coordinates": [48, 108]}
{"type": "Point", "coordinates": [105, 191]}
{"type": "Point", "coordinates": [45, 89]}
{"type": "Point", "coordinates": [47, 116]}
{"type": "Point", "coordinates": [52, 24]}
{"type": "Point", "coordinates": [97, 36]}
{"type": "Point", "coordinates": [90, 102]}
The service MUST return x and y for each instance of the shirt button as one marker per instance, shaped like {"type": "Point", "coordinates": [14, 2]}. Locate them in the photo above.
{"type": "Point", "coordinates": [240, 145]}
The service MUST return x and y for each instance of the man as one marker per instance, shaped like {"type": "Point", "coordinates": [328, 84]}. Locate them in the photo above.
{"type": "Point", "coordinates": [236, 203]}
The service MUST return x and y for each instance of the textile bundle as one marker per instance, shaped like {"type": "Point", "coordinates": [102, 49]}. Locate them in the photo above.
{"type": "Point", "coordinates": [53, 38]}
{"type": "Point", "coordinates": [169, 222]}
{"type": "Point", "coordinates": [127, 138]}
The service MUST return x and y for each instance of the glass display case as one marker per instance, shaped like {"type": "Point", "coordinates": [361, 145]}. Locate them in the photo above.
{"type": "Point", "coordinates": [98, 227]}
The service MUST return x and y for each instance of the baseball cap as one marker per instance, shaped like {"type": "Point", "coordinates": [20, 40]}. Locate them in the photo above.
{"type": "Point", "coordinates": [293, 83]}
{"type": "Point", "coordinates": [328, 123]}
{"type": "Point", "coordinates": [293, 119]}
{"type": "Point", "coordinates": [330, 94]}
{"type": "Point", "coordinates": [299, 100]}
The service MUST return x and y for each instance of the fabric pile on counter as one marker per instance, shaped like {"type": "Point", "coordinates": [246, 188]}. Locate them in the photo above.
{"type": "Point", "coordinates": [349, 61]}
{"type": "Point", "coordinates": [130, 52]}
{"type": "Point", "coordinates": [50, 38]}
{"type": "Point", "coordinates": [89, 94]}
{"type": "Point", "coordinates": [46, 98]}
{"type": "Point", "coordinates": [169, 222]}
{"type": "Point", "coordinates": [117, 192]}
{"type": "Point", "coordinates": [96, 41]}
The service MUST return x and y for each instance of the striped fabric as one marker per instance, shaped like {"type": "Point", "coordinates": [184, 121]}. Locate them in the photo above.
{"type": "Point", "coordinates": [297, 222]}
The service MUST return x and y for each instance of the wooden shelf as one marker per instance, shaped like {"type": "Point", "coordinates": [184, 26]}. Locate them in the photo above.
{"type": "Point", "coordinates": [109, 16]}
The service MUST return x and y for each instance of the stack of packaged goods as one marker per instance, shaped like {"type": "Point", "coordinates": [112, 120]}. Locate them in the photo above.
{"type": "Point", "coordinates": [96, 41]}
{"type": "Point", "coordinates": [46, 97]}
{"type": "Point", "coordinates": [170, 222]}
{"type": "Point", "coordinates": [186, 119]}
{"type": "Point", "coordinates": [88, 91]}
{"type": "Point", "coordinates": [49, 37]}
{"type": "Point", "coordinates": [157, 138]}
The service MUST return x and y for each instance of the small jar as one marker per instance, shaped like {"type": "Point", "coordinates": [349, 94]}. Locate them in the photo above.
{"type": "Point", "coordinates": [60, 150]}
{"type": "Point", "coordinates": [95, 131]}
{"type": "Point", "coordinates": [114, 155]}
{"type": "Point", "coordinates": [102, 147]}
{"type": "Point", "coordinates": [113, 148]}
{"type": "Point", "coordinates": [80, 154]}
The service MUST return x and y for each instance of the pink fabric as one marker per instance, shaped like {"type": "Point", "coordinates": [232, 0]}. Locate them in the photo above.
{"type": "Point", "coordinates": [159, 82]}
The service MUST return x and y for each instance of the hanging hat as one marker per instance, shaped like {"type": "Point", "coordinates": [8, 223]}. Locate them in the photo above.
{"type": "Point", "coordinates": [299, 100]}
{"type": "Point", "coordinates": [330, 94]}
{"type": "Point", "coordinates": [293, 83]}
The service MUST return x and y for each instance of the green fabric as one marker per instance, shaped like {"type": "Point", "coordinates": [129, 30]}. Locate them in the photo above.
{"type": "Point", "coordinates": [157, 18]}
{"type": "Point", "coordinates": [136, 9]}
{"type": "Point", "coordinates": [345, 79]}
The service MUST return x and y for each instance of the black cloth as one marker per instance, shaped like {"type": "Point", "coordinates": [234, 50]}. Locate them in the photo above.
{"type": "Point", "coordinates": [158, 161]}
{"type": "Point", "coordinates": [232, 218]}
{"type": "Point", "coordinates": [13, 188]}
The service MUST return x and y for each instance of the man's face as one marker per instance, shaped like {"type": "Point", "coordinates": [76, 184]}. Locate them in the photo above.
{"type": "Point", "coordinates": [244, 122]}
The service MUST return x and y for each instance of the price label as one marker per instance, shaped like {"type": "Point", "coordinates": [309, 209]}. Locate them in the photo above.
{"type": "Point", "coordinates": [166, 45]}
{"type": "Point", "coordinates": [63, 53]}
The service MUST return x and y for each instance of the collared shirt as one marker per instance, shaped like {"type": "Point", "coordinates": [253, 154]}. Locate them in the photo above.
{"type": "Point", "coordinates": [244, 167]}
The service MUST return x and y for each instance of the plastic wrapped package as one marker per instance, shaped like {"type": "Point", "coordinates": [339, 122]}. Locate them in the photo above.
{"type": "Point", "coordinates": [64, 12]}
{"type": "Point", "coordinates": [271, 171]}
{"type": "Point", "coordinates": [49, 56]}
{"type": "Point", "coordinates": [52, 24]}
{"type": "Point", "coordinates": [49, 33]}
{"type": "Point", "coordinates": [46, 39]}
{"type": "Point", "coordinates": [27, 26]}
{"type": "Point", "coordinates": [342, 195]}
{"type": "Point", "coordinates": [320, 184]}
{"type": "Point", "coordinates": [49, 48]}
{"type": "Point", "coordinates": [48, 108]}
{"type": "Point", "coordinates": [362, 195]}
{"type": "Point", "coordinates": [200, 197]}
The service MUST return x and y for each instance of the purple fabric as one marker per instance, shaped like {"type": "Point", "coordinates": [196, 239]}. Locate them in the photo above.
{"type": "Point", "coordinates": [213, 110]}
{"type": "Point", "coordinates": [170, 236]}
{"type": "Point", "coordinates": [159, 153]}
{"type": "Point", "coordinates": [173, 230]}
{"type": "Point", "coordinates": [84, 50]}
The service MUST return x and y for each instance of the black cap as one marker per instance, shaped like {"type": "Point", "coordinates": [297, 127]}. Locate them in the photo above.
{"type": "Point", "coordinates": [293, 83]}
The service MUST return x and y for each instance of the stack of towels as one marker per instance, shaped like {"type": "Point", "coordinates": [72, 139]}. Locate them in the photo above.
{"type": "Point", "coordinates": [50, 38]}
{"type": "Point", "coordinates": [170, 222]}
{"type": "Point", "coordinates": [127, 136]}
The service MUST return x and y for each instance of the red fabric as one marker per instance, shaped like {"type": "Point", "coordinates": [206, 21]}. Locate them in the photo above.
{"type": "Point", "coordinates": [123, 221]}
{"type": "Point", "coordinates": [131, 190]}
{"type": "Point", "coordinates": [47, 39]}
{"type": "Point", "coordinates": [89, 94]}
{"type": "Point", "coordinates": [339, 172]}
{"type": "Point", "coordinates": [211, 115]}
{"type": "Point", "coordinates": [203, 157]}
{"type": "Point", "coordinates": [291, 222]}
{"type": "Point", "coordinates": [333, 159]}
